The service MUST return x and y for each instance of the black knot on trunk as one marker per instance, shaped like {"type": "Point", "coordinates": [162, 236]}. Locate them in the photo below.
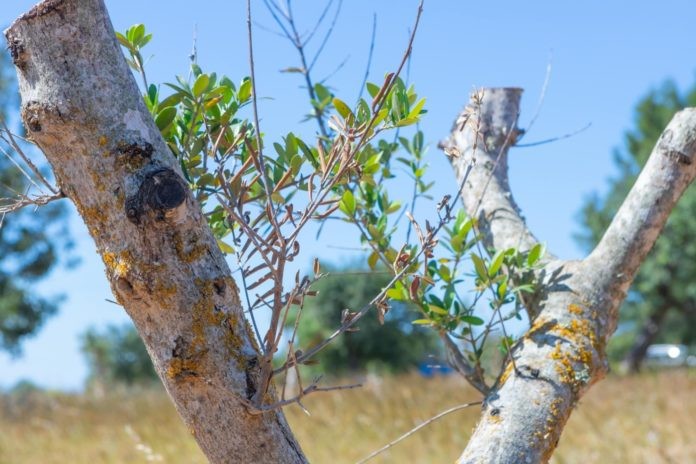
{"type": "Point", "coordinates": [160, 192]}
{"type": "Point", "coordinates": [166, 191]}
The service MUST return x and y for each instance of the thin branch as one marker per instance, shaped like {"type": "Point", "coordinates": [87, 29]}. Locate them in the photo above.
{"type": "Point", "coordinates": [369, 56]}
{"type": "Point", "coordinates": [25, 200]}
{"type": "Point", "coordinates": [271, 6]}
{"type": "Point", "coordinates": [416, 429]}
{"type": "Point", "coordinates": [246, 295]}
{"type": "Point", "coordinates": [313, 388]}
{"type": "Point", "coordinates": [9, 138]}
{"type": "Point", "coordinates": [326, 36]}
{"type": "Point", "coordinates": [554, 139]}
{"type": "Point", "coordinates": [20, 168]}
{"type": "Point", "coordinates": [318, 23]}
{"type": "Point", "coordinates": [257, 126]}
{"type": "Point", "coordinates": [338, 68]}
{"type": "Point", "coordinates": [542, 95]}
{"type": "Point", "coordinates": [268, 29]}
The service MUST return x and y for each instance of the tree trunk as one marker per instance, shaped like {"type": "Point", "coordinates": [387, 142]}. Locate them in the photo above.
{"type": "Point", "coordinates": [82, 107]}
{"type": "Point", "coordinates": [575, 310]}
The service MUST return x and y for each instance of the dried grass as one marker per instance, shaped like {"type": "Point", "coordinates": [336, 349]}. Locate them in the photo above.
{"type": "Point", "coordinates": [644, 419]}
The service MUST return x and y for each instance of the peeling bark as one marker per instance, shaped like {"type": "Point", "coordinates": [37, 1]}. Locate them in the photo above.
{"type": "Point", "coordinates": [82, 107]}
{"type": "Point", "coordinates": [576, 309]}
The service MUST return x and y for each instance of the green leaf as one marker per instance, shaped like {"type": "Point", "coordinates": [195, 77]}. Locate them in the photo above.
{"type": "Point", "coordinates": [225, 248]}
{"type": "Point", "coordinates": [372, 260]}
{"type": "Point", "coordinates": [347, 204]}
{"type": "Point", "coordinates": [123, 40]}
{"type": "Point", "coordinates": [502, 288]}
{"type": "Point", "coordinates": [422, 322]}
{"type": "Point", "coordinates": [534, 254]}
{"type": "Point", "coordinates": [152, 93]}
{"type": "Point", "coordinates": [445, 273]}
{"type": "Point", "coordinates": [138, 32]}
{"type": "Point", "coordinates": [196, 70]}
{"type": "Point", "coordinates": [165, 117]}
{"type": "Point", "coordinates": [380, 116]}
{"type": "Point", "coordinates": [280, 150]}
{"type": "Point", "coordinates": [145, 40]}
{"type": "Point", "coordinates": [394, 294]}
{"type": "Point", "coordinates": [244, 92]}
{"type": "Point", "coordinates": [438, 310]}
{"type": "Point", "coordinates": [172, 100]}
{"type": "Point", "coordinates": [180, 90]}
{"type": "Point", "coordinates": [308, 154]}
{"type": "Point", "coordinates": [372, 89]}
{"type": "Point", "coordinates": [473, 320]}
{"type": "Point", "coordinates": [496, 262]}
{"type": "Point", "coordinates": [416, 110]}
{"type": "Point", "coordinates": [200, 85]}
{"type": "Point", "coordinates": [524, 289]}
{"type": "Point", "coordinates": [342, 108]}
{"type": "Point", "coordinates": [394, 207]}
{"type": "Point", "coordinates": [407, 121]}
{"type": "Point", "coordinates": [480, 267]}
{"type": "Point", "coordinates": [322, 92]}
{"type": "Point", "coordinates": [296, 164]}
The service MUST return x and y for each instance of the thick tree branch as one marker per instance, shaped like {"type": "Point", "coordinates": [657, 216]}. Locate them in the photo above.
{"type": "Point", "coordinates": [482, 135]}
{"type": "Point", "coordinates": [82, 107]}
{"type": "Point", "coordinates": [563, 353]}
{"type": "Point", "coordinates": [669, 171]}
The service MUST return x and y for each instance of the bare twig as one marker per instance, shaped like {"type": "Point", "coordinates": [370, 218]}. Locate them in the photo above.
{"type": "Point", "coordinates": [554, 139]}
{"type": "Point", "coordinates": [416, 429]}
{"type": "Point", "coordinates": [257, 128]}
{"type": "Point", "coordinates": [23, 200]}
{"type": "Point", "coordinates": [313, 388]}
{"type": "Point", "coordinates": [9, 138]}
{"type": "Point", "coordinates": [369, 56]}
{"type": "Point", "coordinates": [320, 20]}
{"type": "Point", "coordinates": [325, 40]}
{"type": "Point", "coordinates": [542, 95]}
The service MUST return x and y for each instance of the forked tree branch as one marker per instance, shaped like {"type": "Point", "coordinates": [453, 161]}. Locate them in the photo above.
{"type": "Point", "coordinates": [576, 309]}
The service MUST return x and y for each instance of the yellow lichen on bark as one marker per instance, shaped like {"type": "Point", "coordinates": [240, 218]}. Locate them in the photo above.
{"type": "Point", "coordinates": [188, 249]}
{"type": "Point", "coordinates": [207, 318]}
{"type": "Point", "coordinates": [118, 264]}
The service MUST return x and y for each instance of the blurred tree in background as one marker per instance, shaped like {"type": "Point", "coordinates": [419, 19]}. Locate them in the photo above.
{"type": "Point", "coordinates": [661, 304]}
{"type": "Point", "coordinates": [396, 346]}
{"type": "Point", "coordinates": [30, 239]}
{"type": "Point", "coordinates": [117, 355]}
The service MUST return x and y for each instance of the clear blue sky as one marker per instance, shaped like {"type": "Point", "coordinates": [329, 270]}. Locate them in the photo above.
{"type": "Point", "coordinates": [605, 56]}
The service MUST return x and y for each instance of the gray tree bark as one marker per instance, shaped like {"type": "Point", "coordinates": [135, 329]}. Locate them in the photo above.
{"type": "Point", "coordinates": [82, 107]}
{"type": "Point", "coordinates": [576, 308]}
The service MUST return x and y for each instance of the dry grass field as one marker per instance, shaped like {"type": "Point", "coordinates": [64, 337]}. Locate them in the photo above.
{"type": "Point", "coordinates": [645, 419]}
